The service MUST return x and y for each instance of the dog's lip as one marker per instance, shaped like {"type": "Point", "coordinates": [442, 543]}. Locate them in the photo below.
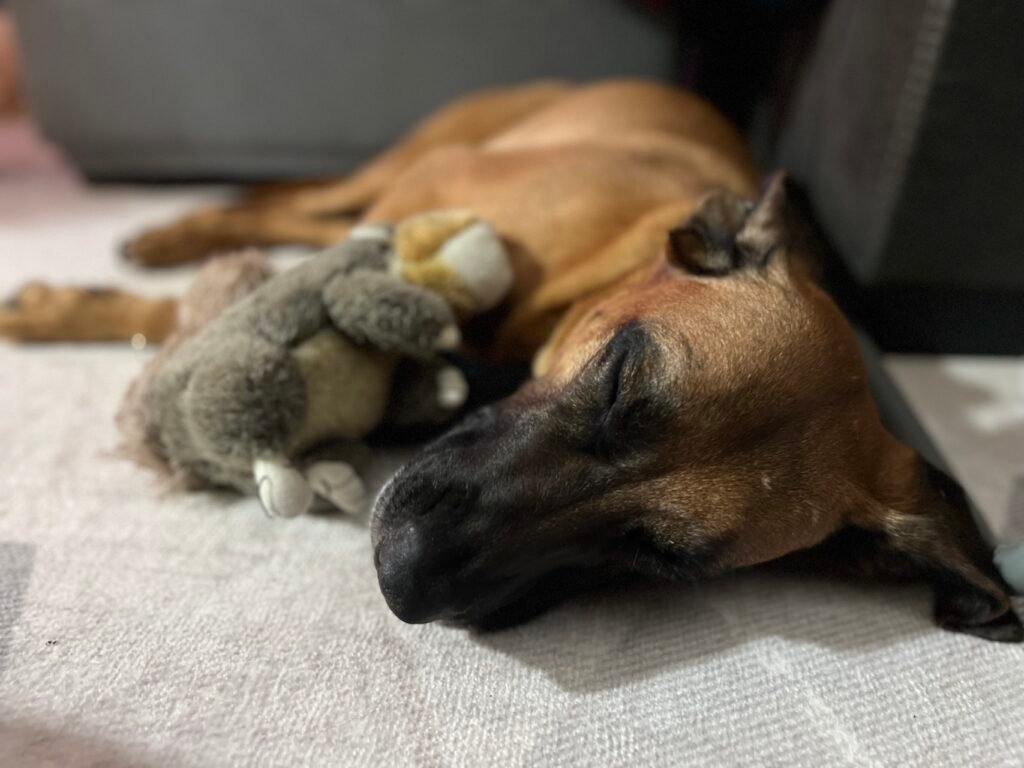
{"type": "Point", "coordinates": [479, 613]}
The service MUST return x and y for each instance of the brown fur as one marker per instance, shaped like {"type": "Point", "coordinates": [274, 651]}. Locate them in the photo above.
{"type": "Point", "coordinates": [40, 312]}
{"type": "Point", "coordinates": [764, 440]}
{"type": "Point", "coordinates": [740, 430]}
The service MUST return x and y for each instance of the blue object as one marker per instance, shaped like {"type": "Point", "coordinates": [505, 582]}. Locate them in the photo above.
{"type": "Point", "coordinates": [1010, 561]}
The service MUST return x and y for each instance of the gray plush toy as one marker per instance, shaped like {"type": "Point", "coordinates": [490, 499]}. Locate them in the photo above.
{"type": "Point", "coordinates": [307, 361]}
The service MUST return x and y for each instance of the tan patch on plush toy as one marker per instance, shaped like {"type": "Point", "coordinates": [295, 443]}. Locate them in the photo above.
{"type": "Point", "coordinates": [420, 237]}
{"type": "Point", "coordinates": [439, 278]}
{"type": "Point", "coordinates": [325, 359]}
{"type": "Point", "coordinates": [455, 254]}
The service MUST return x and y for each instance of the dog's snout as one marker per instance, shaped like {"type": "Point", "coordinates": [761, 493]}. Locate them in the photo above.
{"type": "Point", "coordinates": [408, 577]}
{"type": "Point", "coordinates": [439, 528]}
{"type": "Point", "coordinates": [477, 426]}
{"type": "Point", "coordinates": [426, 494]}
{"type": "Point", "coordinates": [417, 553]}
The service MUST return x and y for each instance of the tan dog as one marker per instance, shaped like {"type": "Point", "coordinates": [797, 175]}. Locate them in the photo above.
{"type": "Point", "coordinates": [581, 182]}
{"type": "Point", "coordinates": [698, 403]}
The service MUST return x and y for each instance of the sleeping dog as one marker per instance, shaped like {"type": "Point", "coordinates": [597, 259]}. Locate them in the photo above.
{"type": "Point", "coordinates": [710, 413]}
{"type": "Point", "coordinates": [698, 403]}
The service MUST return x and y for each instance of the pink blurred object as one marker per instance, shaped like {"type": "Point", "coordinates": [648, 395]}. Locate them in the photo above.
{"type": "Point", "coordinates": [23, 150]}
{"type": "Point", "coordinates": [10, 91]}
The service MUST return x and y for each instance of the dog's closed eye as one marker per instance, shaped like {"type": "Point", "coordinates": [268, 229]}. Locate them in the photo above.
{"type": "Point", "coordinates": [621, 398]}
{"type": "Point", "coordinates": [616, 358]}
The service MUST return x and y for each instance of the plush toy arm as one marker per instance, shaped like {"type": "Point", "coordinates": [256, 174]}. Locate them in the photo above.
{"type": "Point", "coordinates": [380, 310]}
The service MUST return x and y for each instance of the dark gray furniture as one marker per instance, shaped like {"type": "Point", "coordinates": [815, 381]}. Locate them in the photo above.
{"type": "Point", "coordinates": [905, 123]}
{"type": "Point", "coordinates": [157, 89]}
{"type": "Point", "coordinates": [907, 130]}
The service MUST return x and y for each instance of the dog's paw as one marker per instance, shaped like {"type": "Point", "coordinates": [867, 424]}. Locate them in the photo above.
{"type": "Point", "coordinates": [34, 313]}
{"type": "Point", "coordinates": [452, 388]}
{"type": "Point", "coordinates": [42, 312]}
{"type": "Point", "coordinates": [192, 238]}
{"type": "Point", "coordinates": [338, 483]}
{"type": "Point", "coordinates": [282, 489]}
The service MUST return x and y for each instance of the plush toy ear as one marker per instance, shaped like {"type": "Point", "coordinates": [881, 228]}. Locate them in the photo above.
{"type": "Point", "coordinates": [932, 535]}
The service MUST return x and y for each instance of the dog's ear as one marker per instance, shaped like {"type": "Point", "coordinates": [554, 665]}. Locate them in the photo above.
{"type": "Point", "coordinates": [727, 233]}
{"type": "Point", "coordinates": [929, 532]}
{"type": "Point", "coordinates": [706, 243]}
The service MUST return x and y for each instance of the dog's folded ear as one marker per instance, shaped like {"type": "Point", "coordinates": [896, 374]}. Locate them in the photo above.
{"type": "Point", "coordinates": [706, 243]}
{"type": "Point", "coordinates": [930, 533]}
{"type": "Point", "coordinates": [970, 594]}
{"type": "Point", "coordinates": [727, 233]}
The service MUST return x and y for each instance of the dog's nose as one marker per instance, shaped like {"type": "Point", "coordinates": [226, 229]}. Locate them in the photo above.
{"type": "Point", "coordinates": [410, 574]}
{"type": "Point", "coordinates": [421, 545]}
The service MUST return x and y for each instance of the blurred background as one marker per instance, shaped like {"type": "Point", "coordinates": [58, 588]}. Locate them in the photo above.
{"type": "Point", "coordinates": [902, 120]}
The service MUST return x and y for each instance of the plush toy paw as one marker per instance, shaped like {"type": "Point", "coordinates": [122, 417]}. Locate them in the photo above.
{"type": "Point", "coordinates": [448, 339]}
{"type": "Point", "coordinates": [476, 257]}
{"type": "Point", "coordinates": [381, 311]}
{"type": "Point", "coordinates": [377, 232]}
{"type": "Point", "coordinates": [338, 483]}
{"type": "Point", "coordinates": [452, 388]}
{"type": "Point", "coordinates": [282, 489]}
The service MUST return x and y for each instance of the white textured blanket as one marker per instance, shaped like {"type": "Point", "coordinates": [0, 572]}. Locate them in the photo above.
{"type": "Point", "coordinates": [137, 629]}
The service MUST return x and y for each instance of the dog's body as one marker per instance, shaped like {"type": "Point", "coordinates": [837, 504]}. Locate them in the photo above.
{"type": "Point", "coordinates": [582, 183]}
{"type": "Point", "coordinates": [698, 403]}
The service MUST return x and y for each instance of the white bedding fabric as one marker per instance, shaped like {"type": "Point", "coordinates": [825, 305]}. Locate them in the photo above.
{"type": "Point", "coordinates": [138, 629]}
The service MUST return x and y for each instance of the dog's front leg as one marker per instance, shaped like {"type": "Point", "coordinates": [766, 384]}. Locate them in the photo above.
{"type": "Point", "coordinates": [216, 230]}
{"type": "Point", "coordinates": [41, 312]}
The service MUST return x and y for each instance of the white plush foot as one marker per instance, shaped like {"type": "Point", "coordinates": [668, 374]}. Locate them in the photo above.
{"type": "Point", "coordinates": [448, 339]}
{"type": "Point", "coordinates": [282, 489]}
{"type": "Point", "coordinates": [452, 388]}
{"type": "Point", "coordinates": [338, 483]}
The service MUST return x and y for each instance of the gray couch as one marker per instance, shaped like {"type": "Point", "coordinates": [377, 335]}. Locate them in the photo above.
{"type": "Point", "coordinates": [152, 89]}
{"type": "Point", "coordinates": [905, 123]}
{"type": "Point", "coordinates": [907, 129]}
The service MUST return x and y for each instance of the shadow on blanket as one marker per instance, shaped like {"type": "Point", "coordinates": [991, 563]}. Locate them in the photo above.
{"type": "Point", "coordinates": [614, 638]}
{"type": "Point", "coordinates": [25, 744]}
{"type": "Point", "coordinates": [16, 560]}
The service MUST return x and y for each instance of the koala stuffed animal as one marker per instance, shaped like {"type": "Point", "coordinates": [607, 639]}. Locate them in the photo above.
{"type": "Point", "coordinates": [277, 391]}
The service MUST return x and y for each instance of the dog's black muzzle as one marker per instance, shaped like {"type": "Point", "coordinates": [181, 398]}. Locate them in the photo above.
{"type": "Point", "coordinates": [420, 567]}
{"type": "Point", "coordinates": [464, 531]}
{"type": "Point", "coordinates": [428, 526]}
